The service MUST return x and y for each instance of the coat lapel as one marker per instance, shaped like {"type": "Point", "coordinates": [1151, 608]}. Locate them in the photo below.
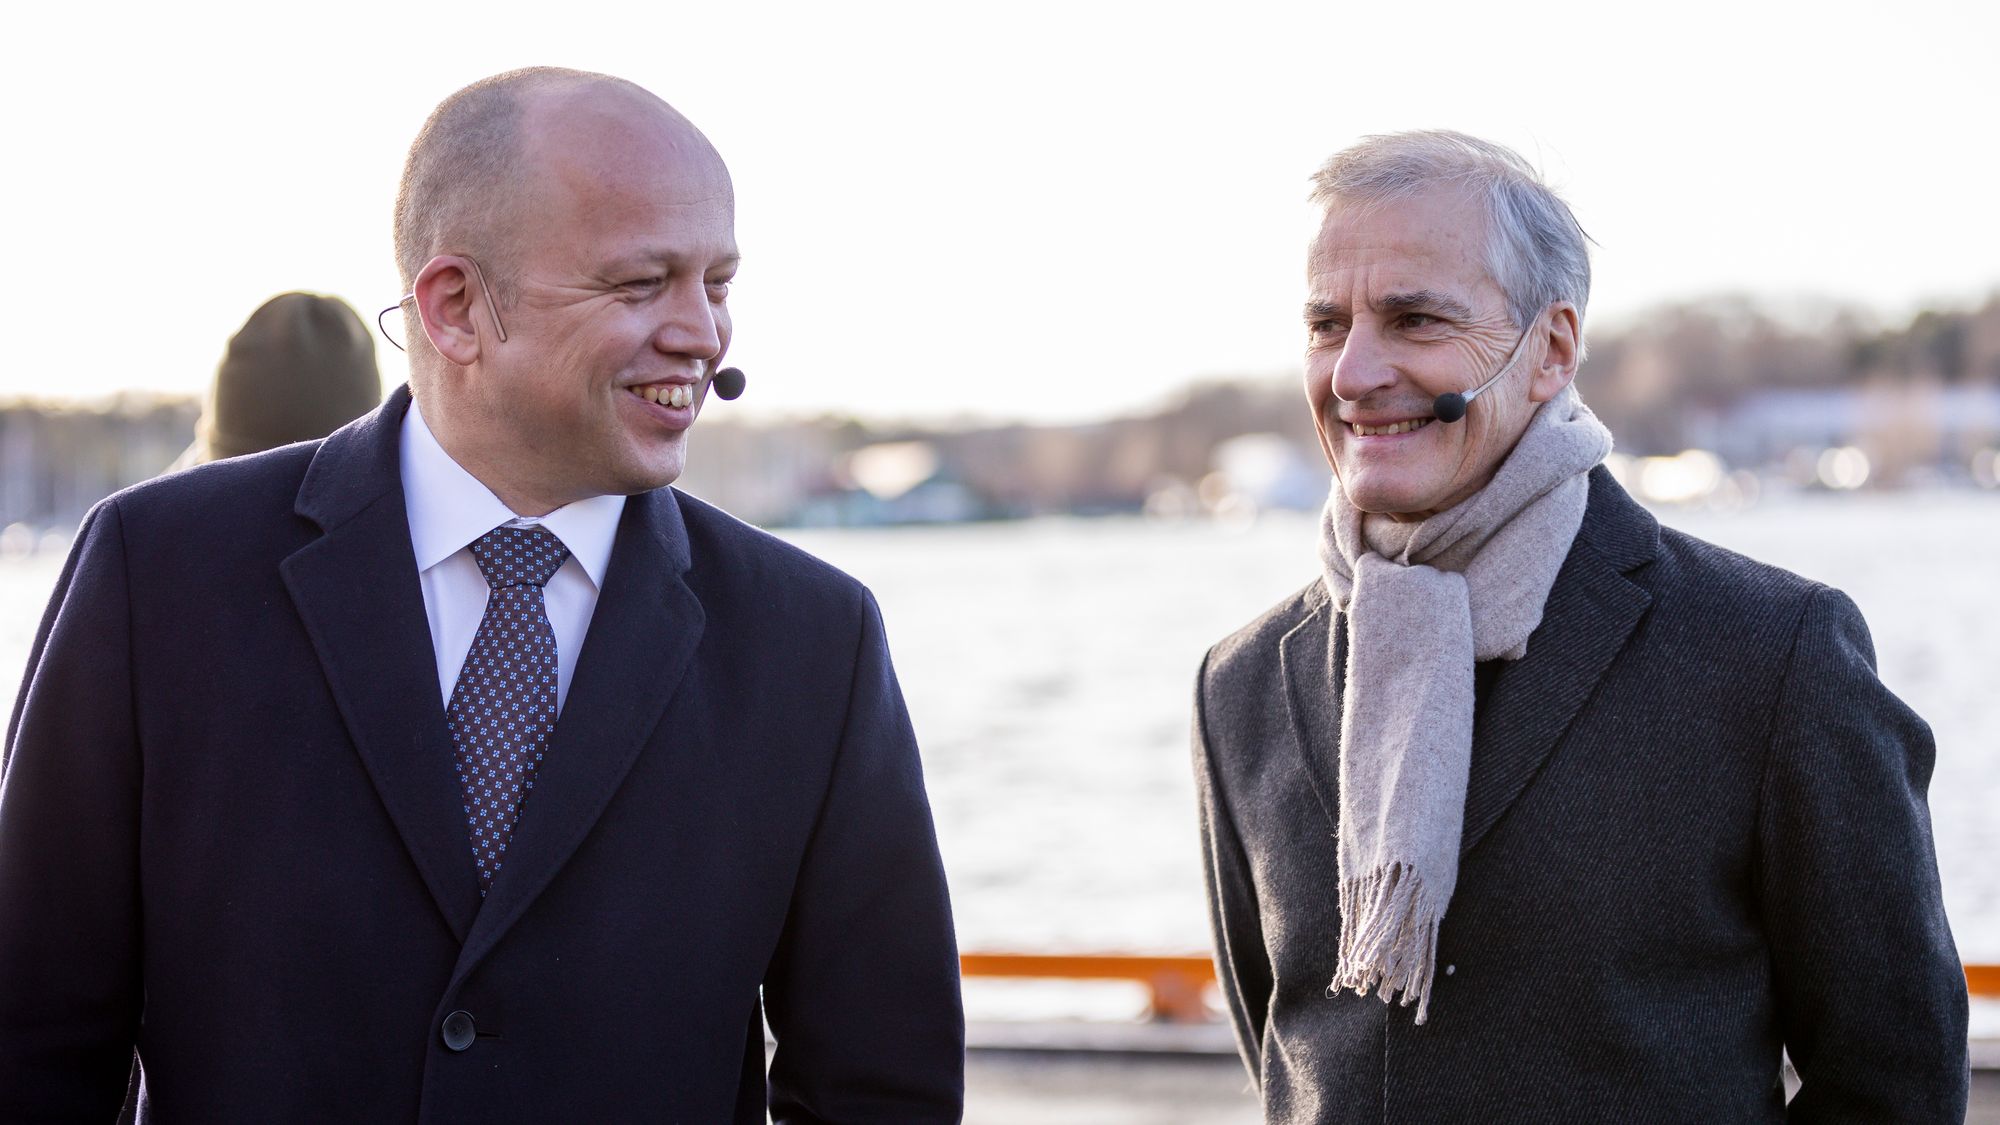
{"type": "Point", "coordinates": [642, 638]}
{"type": "Point", "coordinates": [1314, 656]}
{"type": "Point", "coordinates": [357, 592]}
{"type": "Point", "coordinates": [1592, 610]}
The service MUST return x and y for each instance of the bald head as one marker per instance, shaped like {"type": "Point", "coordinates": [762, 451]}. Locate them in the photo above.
{"type": "Point", "coordinates": [569, 242]}
{"type": "Point", "coordinates": [484, 156]}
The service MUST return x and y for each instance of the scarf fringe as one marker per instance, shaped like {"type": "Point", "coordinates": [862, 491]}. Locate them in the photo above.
{"type": "Point", "coordinates": [1388, 937]}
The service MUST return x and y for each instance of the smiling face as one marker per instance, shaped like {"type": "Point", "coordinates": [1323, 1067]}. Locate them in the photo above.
{"type": "Point", "coordinates": [1400, 309]}
{"type": "Point", "coordinates": [623, 248]}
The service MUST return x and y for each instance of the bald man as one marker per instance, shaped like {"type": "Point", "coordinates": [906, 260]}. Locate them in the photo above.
{"type": "Point", "coordinates": [456, 768]}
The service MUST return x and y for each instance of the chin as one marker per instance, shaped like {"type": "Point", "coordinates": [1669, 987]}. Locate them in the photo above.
{"type": "Point", "coordinates": [663, 473]}
{"type": "Point", "coordinates": [1380, 497]}
{"type": "Point", "coordinates": [633, 479]}
{"type": "Point", "coordinates": [655, 477]}
{"type": "Point", "coordinates": [647, 469]}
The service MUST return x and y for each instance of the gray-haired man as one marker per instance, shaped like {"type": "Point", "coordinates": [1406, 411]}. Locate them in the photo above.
{"type": "Point", "coordinates": [1617, 815]}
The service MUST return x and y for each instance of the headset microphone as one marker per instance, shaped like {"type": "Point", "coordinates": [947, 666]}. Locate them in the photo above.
{"type": "Point", "coordinates": [729, 382]}
{"type": "Point", "coordinates": [1451, 406]}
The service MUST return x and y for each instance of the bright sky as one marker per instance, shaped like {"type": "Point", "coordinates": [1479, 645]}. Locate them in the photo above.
{"type": "Point", "coordinates": [1047, 211]}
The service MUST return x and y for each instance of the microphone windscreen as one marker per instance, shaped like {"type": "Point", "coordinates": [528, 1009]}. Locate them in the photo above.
{"type": "Point", "coordinates": [1449, 407]}
{"type": "Point", "coordinates": [729, 382]}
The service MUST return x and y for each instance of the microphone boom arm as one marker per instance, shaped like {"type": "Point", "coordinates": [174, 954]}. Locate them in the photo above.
{"type": "Point", "coordinates": [1451, 406]}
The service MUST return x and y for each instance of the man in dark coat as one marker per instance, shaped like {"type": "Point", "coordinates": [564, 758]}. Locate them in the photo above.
{"type": "Point", "coordinates": [455, 768]}
{"type": "Point", "coordinates": [1528, 809]}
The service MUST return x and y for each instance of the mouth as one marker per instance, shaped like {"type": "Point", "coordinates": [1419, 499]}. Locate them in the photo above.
{"type": "Point", "coordinates": [665, 394]}
{"type": "Point", "coordinates": [1406, 426]}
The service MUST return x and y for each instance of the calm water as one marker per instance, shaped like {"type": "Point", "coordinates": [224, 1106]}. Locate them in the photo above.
{"type": "Point", "coordinates": [1048, 667]}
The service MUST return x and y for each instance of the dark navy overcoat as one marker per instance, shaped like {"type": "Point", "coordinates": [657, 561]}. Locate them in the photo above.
{"type": "Point", "coordinates": [231, 833]}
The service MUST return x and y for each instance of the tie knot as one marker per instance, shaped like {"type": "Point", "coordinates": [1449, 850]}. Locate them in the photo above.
{"type": "Point", "coordinates": [518, 556]}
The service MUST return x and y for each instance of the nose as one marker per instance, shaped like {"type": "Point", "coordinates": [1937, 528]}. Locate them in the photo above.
{"type": "Point", "coordinates": [1363, 366]}
{"type": "Point", "coordinates": [691, 324]}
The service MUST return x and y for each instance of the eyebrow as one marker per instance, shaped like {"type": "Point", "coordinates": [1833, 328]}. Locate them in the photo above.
{"type": "Point", "coordinates": [1418, 300]}
{"type": "Point", "coordinates": [647, 258]}
{"type": "Point", "coordinates": [1425, 301]}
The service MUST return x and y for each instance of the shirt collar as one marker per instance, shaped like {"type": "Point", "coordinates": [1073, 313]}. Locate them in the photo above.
{"type": "Point", "coordinates": [449, 508]}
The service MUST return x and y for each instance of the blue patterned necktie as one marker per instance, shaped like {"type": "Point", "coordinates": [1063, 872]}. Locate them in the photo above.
{"type": "Point", "coordinates": [504, 704]}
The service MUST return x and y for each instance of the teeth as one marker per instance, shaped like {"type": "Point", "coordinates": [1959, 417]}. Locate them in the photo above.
{"type": "Point", "coordinates": [1397, 428]}
{"type": "Point", "coordinates": [673, 394]}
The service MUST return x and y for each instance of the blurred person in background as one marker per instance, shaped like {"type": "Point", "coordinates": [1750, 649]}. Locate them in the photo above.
{"type": "Point", "coordinates": [1618, 817]}
{"type": "Point", "coordinates": [455, 768]}
{"type": "Point", "coordinates": [300, 368]}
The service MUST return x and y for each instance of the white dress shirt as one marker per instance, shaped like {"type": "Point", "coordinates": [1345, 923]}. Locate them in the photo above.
{"type": "Point", "coordinates": [448, 509]}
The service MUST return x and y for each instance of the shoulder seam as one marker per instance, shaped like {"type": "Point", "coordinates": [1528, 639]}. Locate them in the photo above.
{"type": "Point", "coordinates": [1813, 592]}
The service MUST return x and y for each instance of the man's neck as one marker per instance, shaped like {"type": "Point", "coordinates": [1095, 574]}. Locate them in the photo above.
{"type": "Point", "coordinates": [468, 453]}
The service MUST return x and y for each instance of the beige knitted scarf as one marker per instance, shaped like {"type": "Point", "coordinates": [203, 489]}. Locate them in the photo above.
{"type": "Point", "coordinates": [1423, 602]}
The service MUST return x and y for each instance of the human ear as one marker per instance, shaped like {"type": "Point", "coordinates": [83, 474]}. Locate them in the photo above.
{"type": "Point", "coordinates": [443, 292]}
{"type": "Point", "coordinates": [1564, 351]}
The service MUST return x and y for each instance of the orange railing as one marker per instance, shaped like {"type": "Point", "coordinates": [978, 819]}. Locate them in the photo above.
{"type": "Point", "coordinates": [1177, 984]}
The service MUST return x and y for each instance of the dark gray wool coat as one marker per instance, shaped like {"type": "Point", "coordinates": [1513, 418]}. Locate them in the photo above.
{"type": "Point", "coordinates": [1695, 834]}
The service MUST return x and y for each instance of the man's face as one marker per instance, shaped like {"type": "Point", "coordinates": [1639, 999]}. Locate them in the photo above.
{"type": "Point", "coordinates": [1399, 310]}
{"type": "Point", "coordinates": [624, 248]}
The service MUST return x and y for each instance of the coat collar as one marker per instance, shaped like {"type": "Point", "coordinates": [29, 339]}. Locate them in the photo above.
{"type": "Point", "coordinates": [1592, 609]}
{"type": "Point", "coordinates": [357, 593]}
{"type": "Point", "coordinates": [356, 589]}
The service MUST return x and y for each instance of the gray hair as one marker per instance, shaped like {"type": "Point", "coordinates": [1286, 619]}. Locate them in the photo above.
{"type": "Point", "coordinates": [463, 173]}
{"type": "Point", "coordinates": [1535, 250]}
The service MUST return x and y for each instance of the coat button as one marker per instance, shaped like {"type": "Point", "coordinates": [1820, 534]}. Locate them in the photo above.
{"type": "Point", "coordinates": [458, 1030]}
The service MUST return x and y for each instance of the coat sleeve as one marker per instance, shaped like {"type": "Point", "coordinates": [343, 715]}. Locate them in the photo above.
{"type": "Point", "coordinates": [1871, 995]}
{"type": "Point", "coordinates": [69, 864]}
{"type": "Point", "coordinates": [1241, 965]}
{"type": "Point", "coordinates": [863, 993]}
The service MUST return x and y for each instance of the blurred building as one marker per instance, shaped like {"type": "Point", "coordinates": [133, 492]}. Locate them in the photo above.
{"type": "Point", "coordinates": [58, 460]}
{"type": "Point", "coordinates": [1910, 431]}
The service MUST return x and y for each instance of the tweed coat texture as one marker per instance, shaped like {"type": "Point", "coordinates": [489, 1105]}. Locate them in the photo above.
{"type": "Point", "coordinates": [1695, 836]}
{"type": "Point", "coordinates": [231, 833]}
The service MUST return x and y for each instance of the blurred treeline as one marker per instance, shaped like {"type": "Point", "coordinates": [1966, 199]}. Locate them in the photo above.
{"type": "Point", "coordinates": [1749, 380]}
{"type": "Point", "coordinates": [1661, 381]}
{"type": "Point", "coordinates": [1756, 383]}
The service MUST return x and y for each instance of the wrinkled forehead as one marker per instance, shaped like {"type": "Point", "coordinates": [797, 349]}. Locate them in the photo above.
{"type": "Point", "coordinates": [1434, 241]}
